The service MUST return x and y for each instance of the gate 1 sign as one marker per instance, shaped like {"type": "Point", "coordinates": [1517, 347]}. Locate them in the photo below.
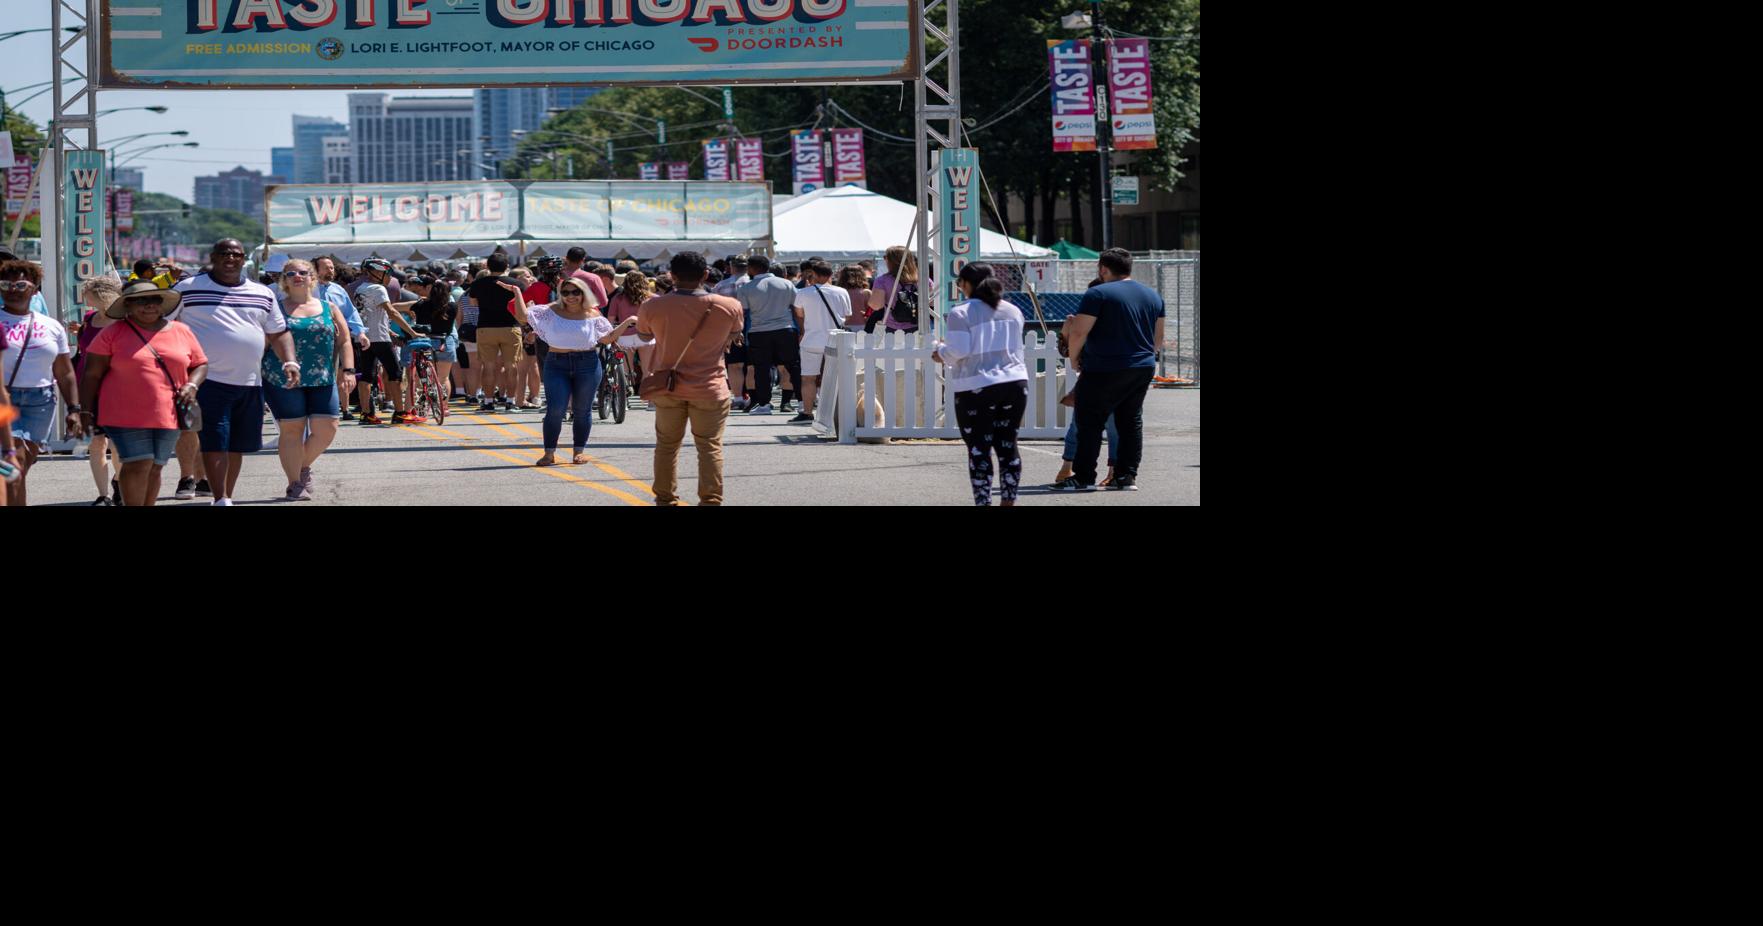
{"type": "Point", "coordinates": [957, 220]}
{"type": "Point", "coordinates": [86, 183]}
{"type": "Point", "coordinates": [318, 44]}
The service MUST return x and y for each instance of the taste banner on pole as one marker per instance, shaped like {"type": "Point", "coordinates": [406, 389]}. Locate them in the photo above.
{"type": "Point", "coordinates": [808, 161]}
{"type": "Point", "coordinates": [1129, 94]}
{"type": "Point", "coordinates": [1074, 97]}
{"type": "Point", "coordinates": [679, 170]}
{"type": "Point", "coordinates": [716, 160]}
{"type": "Point", "coordinates": [848, 162]}
{"type": "Point", "coordinates": [750, 154]}
{"type": "Point", "coordinates": [18, 186]}
{"type": "Point", "coordinates": [649, 171]}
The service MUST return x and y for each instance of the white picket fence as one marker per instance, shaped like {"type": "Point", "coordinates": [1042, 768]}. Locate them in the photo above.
{"type": "Point", "coordinates": [898, 371]}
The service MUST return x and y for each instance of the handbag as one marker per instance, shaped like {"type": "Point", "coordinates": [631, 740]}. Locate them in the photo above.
{"type": "Point", "coordinates": [189, 416]}
{"type": "Point", "coordinates": [662, 380]}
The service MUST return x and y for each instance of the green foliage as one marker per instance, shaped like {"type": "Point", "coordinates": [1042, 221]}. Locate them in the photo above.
{"type": "Point", "coordinates": [1004, 62]}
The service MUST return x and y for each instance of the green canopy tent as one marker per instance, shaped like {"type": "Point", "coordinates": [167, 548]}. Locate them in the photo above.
{"type": "Point", "coordinates": [1069, 251]}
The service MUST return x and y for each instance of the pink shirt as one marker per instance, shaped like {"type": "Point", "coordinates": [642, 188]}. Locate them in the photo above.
{"type": "Point", "coordinates": [620, 309]}
{"type": "Point", "coordinates": [134, 393]}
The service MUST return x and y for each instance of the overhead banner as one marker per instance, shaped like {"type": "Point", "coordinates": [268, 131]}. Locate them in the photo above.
{"type": "Point", "coordinates": [1074, 97]}
{"type": "Point", "coordinates": [716, 160]}
{"type": "Point", "coordinates": [580, 210]}
{"type": "Point", "coordinates": [327, 44]}
{"type": "Point", "coordinates": [750, 155]}
{"type": "Point", "coordinates": [808, 161]}
{"type": "Point", "coordinates": [848, 163]}
{"type": "Point", "coordinates": [84, 211]}
{"type": "Point", "coordinates": [679, 170]}
{"type": "Point", "coordinates": [1129, 94]}
{"type": "Point", "coordinates": [957, 171]}
{"type": "Point", "coordinates": [649, 171]}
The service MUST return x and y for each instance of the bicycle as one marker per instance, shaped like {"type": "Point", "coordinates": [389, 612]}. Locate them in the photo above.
{"type": "Point", "coordinates": [427, 398]}
{"type": "Point", "coordinates": [615, 384]}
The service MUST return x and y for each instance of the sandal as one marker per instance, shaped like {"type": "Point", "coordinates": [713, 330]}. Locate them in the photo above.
{"type": "Point", "coordinates": [580, 459]}
{"type": "Point", "coordinates": [549, 459]}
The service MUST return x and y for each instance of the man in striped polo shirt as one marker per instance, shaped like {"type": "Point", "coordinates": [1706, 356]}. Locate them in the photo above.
{"type": "Point", "coordinates": [233, 318]}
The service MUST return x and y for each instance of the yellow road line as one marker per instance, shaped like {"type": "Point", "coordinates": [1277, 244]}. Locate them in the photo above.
{"type": "Point", "coordinates": [547, 470]}
{"type": "Point", "coordinates": [502, 431]}
{"type": "Point", "coordinates": [602, 465]}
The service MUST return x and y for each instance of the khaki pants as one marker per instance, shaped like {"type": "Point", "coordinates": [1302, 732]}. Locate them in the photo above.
{"type": "Point", "coordinates": [499, 347]}
{"type": "Point", "coordinates": [708, 418]}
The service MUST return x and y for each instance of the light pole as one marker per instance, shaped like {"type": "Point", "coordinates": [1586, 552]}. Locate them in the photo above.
{"type": "Point", "coordinates": [128, 138]}
{"type": "Point", "coordinates": [1105, 133]}
{"type": "Point", "coordinates": [14, 35]}
{"type": "Point", "coordinates": [162, 110]}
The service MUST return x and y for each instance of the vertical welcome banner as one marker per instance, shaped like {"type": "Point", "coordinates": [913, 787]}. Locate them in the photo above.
{"type": "Point", "coordinates": [957, 222]}
{"type": "Point", "coordinates": [649, 171]}
{"type": "Point", "coordinates": [1129, 94]}
{"type": "Point", "coordinates": [86, 182]}
{"type": "Point", "coordinates": [750, 152]}
{"type": "Point", "coordinates": [809, 162]}
{"type": "Point", "coordinates": [679, 170]}
{"type": "Point", "coordinates": [716, 160]}
{"type": "Point", "coordinates": [1074, 97]}
{"type": "Point", "coordinates": [848, 163]}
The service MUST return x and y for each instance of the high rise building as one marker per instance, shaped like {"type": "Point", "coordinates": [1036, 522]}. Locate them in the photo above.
{"type": "Point", "coordinates": [130, 178]}
{"type": "Point", "coordinates": [281, 162]}
{"type": "Point", "coordinates": [309, 135]}
{"type": "Point", "coordinates": [501, 113]}
{"type": "Point", "coordinates": [411, 139]}
{"type": "Point", "coordinates": [339, 160]}
{"type": "Point", "coordinates": [238, 189]}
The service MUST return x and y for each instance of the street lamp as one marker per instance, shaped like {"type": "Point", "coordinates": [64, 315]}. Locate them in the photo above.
{"type": "Point", "coordinates": [117, 141]}
{"type": "Point", "coordinates": [170, 144]}
{"type": "Point", "coordinates": [123, 109]}
{"type": "Point", "coordinates": [14, 35]}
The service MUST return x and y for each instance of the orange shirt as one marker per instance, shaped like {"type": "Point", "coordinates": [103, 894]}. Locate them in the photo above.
{"type": "Point", "coordinates": [135, 393]}
{"type": "Point", "coordinates": [671, 319]}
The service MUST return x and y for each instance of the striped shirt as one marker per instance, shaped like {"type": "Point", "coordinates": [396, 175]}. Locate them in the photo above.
{"type": "Point", "coordinates": [230, 323]}
{"type": "Point", "coordinates": [984, 346]}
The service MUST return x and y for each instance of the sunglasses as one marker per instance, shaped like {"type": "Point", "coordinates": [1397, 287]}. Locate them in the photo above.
{"type": "Point", "coordinates": [296, 273]}
{"type": "Point", "coordinates": [15, 286]}
{"type": "Point", "coordinates": [141, 300]}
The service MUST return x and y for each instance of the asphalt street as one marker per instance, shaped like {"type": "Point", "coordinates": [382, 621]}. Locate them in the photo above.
{"type": "Point", "coordinates": [487, 460]}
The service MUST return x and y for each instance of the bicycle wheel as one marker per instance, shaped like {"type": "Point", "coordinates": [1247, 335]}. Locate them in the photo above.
{"type": "Point", "coordinates": [620, 393]}
{"type": "Point", "coordinates": [436, 396]}
{"type": "Point", "coordinates": [600, 396]}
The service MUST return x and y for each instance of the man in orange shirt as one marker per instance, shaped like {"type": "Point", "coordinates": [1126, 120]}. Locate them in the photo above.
{"type": "Point", "coordinates": [691, 329]}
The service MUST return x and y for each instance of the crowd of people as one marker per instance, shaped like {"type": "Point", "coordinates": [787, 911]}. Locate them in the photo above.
{"type": "Point", "coordinates": [177, 365]}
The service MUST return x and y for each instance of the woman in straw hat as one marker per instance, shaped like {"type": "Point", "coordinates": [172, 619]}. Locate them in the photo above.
{"type": "Point", "coordinates": [138, 374]}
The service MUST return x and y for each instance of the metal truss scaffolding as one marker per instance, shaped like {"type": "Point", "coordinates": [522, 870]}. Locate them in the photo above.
{"type": "Point", "coordinates": [937, 99]}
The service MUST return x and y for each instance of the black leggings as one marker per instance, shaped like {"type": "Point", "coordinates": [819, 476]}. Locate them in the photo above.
{"type": "Point", "coordinates": [989, 421]}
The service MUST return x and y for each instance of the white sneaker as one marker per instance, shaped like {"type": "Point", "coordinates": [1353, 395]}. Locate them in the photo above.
{"type": "Point", "coordinates": [223, 503]}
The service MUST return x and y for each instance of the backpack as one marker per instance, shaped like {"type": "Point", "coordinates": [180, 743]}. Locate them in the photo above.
{"type": "Point", "coordinates": [905, 308]}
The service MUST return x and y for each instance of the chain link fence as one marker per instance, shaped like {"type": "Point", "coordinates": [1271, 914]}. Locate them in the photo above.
{"type": "Point", "coordinates": [1175, 275]}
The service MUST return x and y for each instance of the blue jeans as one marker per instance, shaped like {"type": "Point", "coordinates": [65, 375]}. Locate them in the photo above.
{"type": "Point", "coordinates": [570, 376]}
{"type": "Point", "coordinates": [1071, 439]}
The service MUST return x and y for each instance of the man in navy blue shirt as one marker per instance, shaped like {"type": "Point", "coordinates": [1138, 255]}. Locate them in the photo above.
{"type": "Point", "coordinates": [1112, 341]}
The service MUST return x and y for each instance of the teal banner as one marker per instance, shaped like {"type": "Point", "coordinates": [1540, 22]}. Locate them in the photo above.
{"type": "Point", "coordinates": [87, 179]}
{"type": "Point", "coordinates": [301, 44]}
{"type": "Point", "coordinates": [371, 213]}
{"type": "Point", "coordinates": [958, 227]}
{"type": "Point", "coordinates": [576, 210]}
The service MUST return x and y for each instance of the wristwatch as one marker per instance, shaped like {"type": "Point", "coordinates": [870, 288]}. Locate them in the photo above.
{"type": "Point", "coordinates": [349, 370]}
{"type": "Point", "coordinates": [74, 409]}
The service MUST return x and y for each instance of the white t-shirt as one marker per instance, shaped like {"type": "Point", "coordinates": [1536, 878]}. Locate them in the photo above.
{"type": "Point", "coordinates": [230, 323]}
{"type": "Point", "coordinates": [371, 300]}
{"type": "Point", "coordinates": [817, 323]}
{"type": "Point", "coordinates": [568, 334]}
{"type": "Point", "coordinates": [47, 340]}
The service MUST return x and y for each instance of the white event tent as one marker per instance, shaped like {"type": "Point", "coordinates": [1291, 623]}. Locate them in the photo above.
{"type": "Point", "coordinates": [849, 223]}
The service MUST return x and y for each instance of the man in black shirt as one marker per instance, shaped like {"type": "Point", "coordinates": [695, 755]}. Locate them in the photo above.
{"type": "Point", "coordinates": [498, 335]}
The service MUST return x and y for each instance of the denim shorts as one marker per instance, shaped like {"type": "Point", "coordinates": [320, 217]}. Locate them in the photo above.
{"type": "Point", "coordinates": [36, 414]}
{"type": "Point", "coordinates": [232, 417]}
{"type": "Point", "coordinates": [136, 444]}
{"type": "Point", "coordinates": [304, 402]}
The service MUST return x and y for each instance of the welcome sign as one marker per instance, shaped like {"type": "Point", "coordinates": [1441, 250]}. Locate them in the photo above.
{"type": "Point", "coordinates": [315, 44]}
{"type": "Point", "coordinates": [454, 212]}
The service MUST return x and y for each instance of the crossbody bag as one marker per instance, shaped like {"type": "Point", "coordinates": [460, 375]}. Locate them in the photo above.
{"type": "Point", "coordinates": [189, 416]}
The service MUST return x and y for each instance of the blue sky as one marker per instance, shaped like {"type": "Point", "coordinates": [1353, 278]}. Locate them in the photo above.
{"type": "Point", "coordinates": [236, 128]}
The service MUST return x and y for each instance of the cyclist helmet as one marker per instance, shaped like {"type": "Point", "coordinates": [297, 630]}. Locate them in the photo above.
{"type": "Point", "coordinates": [375, 263]}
